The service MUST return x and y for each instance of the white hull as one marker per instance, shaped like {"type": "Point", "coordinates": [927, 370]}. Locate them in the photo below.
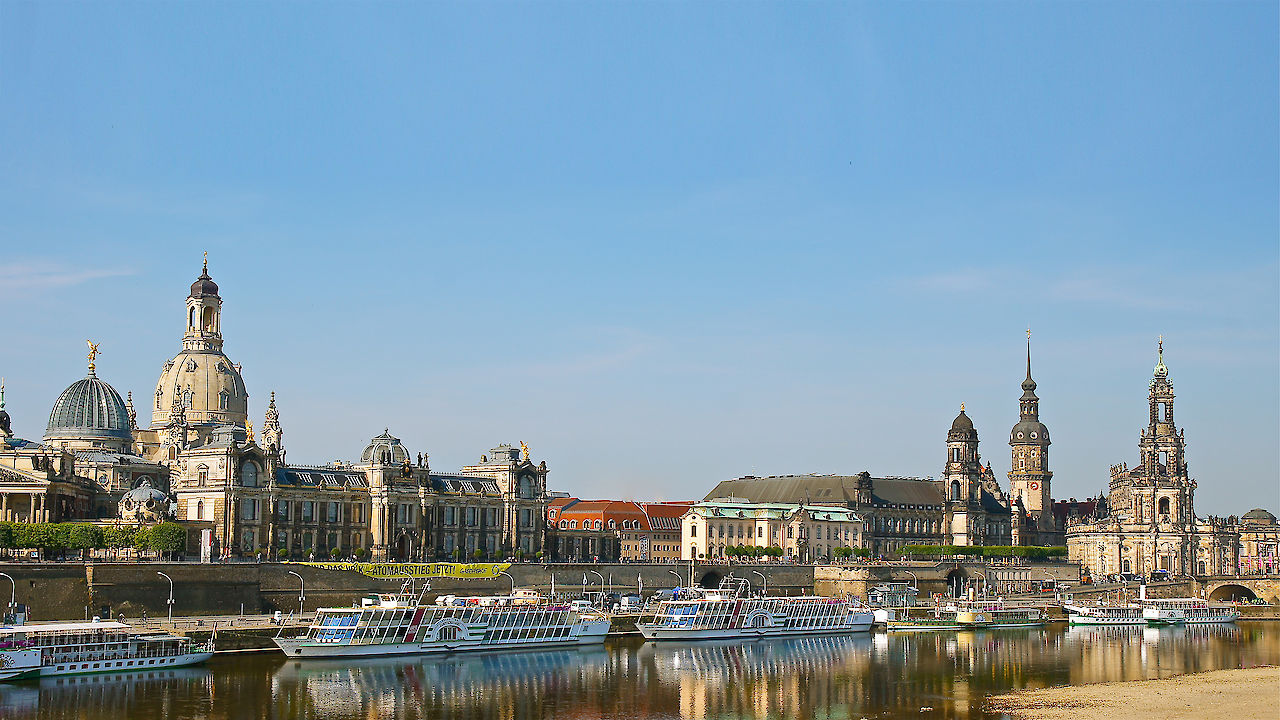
{"type": "Point", "coordinates": [592, 633]}
{"type": "Point", "coordinates": [105, 666]}
{"type": "Point", "coordinates": [1091, 620]}
{"type": "Point", "coordinates": [748, 633]}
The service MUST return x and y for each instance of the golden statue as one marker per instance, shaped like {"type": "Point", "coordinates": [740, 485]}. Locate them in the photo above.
{"type": "Point", "coordinates": [961, 407]}
{"type": "Point", "coordinates": [93, 352]}
{"type": "Point", "coordinates": [248, 426]}
{"type": "Point", "coordinates": [524, 449]}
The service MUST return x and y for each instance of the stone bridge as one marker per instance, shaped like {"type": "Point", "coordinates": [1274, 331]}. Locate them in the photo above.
{"type": "Point", "coordinates": [947, 578]}
{"type": "Point", "coordinates": [1239, 588]}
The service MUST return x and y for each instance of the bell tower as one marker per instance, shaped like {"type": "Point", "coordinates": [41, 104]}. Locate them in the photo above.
{"type": "Point", "coordinates": [204, 314]}
{"type": "Point", "coordinates": [1029, 474]}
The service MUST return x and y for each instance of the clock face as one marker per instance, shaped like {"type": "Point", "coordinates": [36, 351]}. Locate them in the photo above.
{"type": "Point", "coordinates": [1033, 485]}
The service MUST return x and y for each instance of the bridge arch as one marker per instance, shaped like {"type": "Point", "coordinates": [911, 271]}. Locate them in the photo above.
{"type": "Point", "coordinates": [956, 580]}
{"type": "Point", "coordinates": [710, 580]}
{"type": "Point", "coordinates": [1230, 592]}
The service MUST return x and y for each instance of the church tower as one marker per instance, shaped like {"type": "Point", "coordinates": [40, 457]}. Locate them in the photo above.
{"type": "Point", "coordinates": [962, 480]}
{"type": "Point", "coordinates": [1161, 488]}
{"type": "Point", "coordinates": [201, 378]}
{"type": "Point", "coordinates": [1029, 473]}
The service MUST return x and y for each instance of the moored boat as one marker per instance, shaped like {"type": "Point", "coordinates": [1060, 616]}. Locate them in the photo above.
{"type": "Point", "coordinates": [1105, 614]}
{"type": "Point", "coordinates": [730, 612]}
{"type": "Point", "coordinates": [995, 614]}
{"type": "Point", "coordinates": [1168, 611]}
{"type": "Point", "coordinates": [403, 624]}
{"type": "Point", "coordinates": [47, 649]}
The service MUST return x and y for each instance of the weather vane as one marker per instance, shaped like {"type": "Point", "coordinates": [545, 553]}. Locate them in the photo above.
{"type": "Point", "coordinates": [93, 352]}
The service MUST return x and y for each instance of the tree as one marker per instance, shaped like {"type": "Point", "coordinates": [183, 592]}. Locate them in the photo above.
{"type": "Point", "coordinates": [359, 553]}
{"type": "Point", "coordinates": [478, 554]}
{"type": "Point", "coordinates": [84, 537]}
{"type": "Point", "coordinates": [167, 538]}
{"type": "Point", "coordinates": [335, 553]}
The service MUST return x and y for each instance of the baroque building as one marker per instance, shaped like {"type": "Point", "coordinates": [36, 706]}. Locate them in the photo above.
{"type": "Point", "coordinates": [1147, 520]}
{"type": "Point", "coordinates": [200, 462]}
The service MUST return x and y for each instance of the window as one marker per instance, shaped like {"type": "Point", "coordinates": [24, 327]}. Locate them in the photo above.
{"type": "Point", "coordinates": [564, 524]}
{"type": "Point", "coordinates": [224, 400]}
{"type": "Point", "coordinates": [1164, 506]}
{"type": "Point", "coordinates": [596, 525]}
{"type": "Point", "coordinates": [613, 525]}
{"type": "Point", "coordinates": [200, 510]}
{"type": "Point", "coordinates": [332, 514]}
{"type": "Point", "coordinates": [202, 475]}
{"type": "Point", "coordinates": [308, 510]}
{"type": "Point", "coordinates": [791, 529]}
{"type": "Point", "coordinates": [282, 509]}
{"type": "Point", "coordinates": [693, 531]}
{"type": "Point", "coordinates": [249, 474]}
{"type": "Point", "coordinates": [450, 516]}
{"type": "Point", "coordinates": [526, 518]}
{"type": "Point", "coordinates": [471, 517]}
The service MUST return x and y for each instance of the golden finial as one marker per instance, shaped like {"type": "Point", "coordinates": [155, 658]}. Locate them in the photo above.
{"type": "Point", "coordinates": [206, 262]}
{"type": "Point", "coordinates": [524, 449]}
{"type": "Point", "coordinates": [93, 352]}
{"type": "Point", "coordinates": [961, 407]}
{"type": "Point", "coordinates": [248, 426]}
{"type": "Point", "coordinates": [1028, 332]}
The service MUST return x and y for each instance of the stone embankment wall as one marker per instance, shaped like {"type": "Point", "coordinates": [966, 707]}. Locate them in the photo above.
{"type": "Point", "coordinates": [933, 578]}
{"type": "Point", "coordinates": [69, 591]}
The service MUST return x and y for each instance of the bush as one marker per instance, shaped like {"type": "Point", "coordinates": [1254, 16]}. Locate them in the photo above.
{"type": "Point", "coordinates": [478, 554]}
{"type": "Point", "coordinates": [359, 553]}
{"type": "Point", "coordinates": [335, 553]}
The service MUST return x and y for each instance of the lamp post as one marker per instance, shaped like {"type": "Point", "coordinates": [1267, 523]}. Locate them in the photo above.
{"type": "Point", "coordinates": [513, 580]}
{"type": "Point", "coordinates": [914, 582]}
{"type": "Point", "coordinates": [593, 572]}
{"type": "Point", "coordinates": [166, 577]}
{"type": "Point", "coordinates": [13, 591]}
{"type": "Point", "coordinates": [765, 579]}
{"type": "Point", "coordinates": [302, 592]}
{"type": "Point", "coordinates": [679, 580]}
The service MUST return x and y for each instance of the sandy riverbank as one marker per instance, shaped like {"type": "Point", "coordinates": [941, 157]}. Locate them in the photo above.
{"type": "Point", "coordinates": [1218, 695]}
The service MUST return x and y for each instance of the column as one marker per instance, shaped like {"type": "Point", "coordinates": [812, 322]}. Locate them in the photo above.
{"type": "Point", "coordinates": [4, 507]}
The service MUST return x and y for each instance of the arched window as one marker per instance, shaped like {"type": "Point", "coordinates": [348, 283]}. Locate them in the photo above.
{"type": "Point", "coordinates": [573, 524]}
{"type": "Point", "coordinates": [1164, 506]}
{"type": "Point", "coordinates": [202, 475]}
{"type": "Point", "coordinates": [955, 489]}
{"type": "Point", "coordinates": [564, 524]}
{"type": "Point", "coordinates": [249, 474]}
{"type": "Point", "coordinates": [199, 509]}
{"type": "Point", "coordinates": [208, 321]}
{"type": "Point", "coordinates": [597, 525]}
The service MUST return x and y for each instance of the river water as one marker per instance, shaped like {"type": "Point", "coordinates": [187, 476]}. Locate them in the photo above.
{"type": "Point", "coordinates": [921, 675]}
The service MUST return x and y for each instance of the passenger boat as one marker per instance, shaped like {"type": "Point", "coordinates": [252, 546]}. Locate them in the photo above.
{"type": "Point", "coordinates": [1103, 614]}
{"type": "Point", "coordinates": [1168, 611]}
{"type": "Point", "coordinates": [925, 619]}
{"type": "Point", "coordinates": [731, 612]}
{"type": "Point", "coordinates": [968, 615]}
{"type": "Point", "coordinates": [47, 649]}
{"type": "Point", "coordinates": [403, 624]}
{"type": "Point", "coordinates": [994, 614]}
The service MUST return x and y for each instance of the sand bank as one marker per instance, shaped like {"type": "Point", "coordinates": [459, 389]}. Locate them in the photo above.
{"type": "Point", "coordinates": [1218, 695]}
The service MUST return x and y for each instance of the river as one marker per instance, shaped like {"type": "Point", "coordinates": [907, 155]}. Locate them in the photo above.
{"type": "Point", "coordinates": [921, 675]}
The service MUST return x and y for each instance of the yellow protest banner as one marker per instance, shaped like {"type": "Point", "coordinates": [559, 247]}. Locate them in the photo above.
{"type": "Point", "coordinates": [390, 571]}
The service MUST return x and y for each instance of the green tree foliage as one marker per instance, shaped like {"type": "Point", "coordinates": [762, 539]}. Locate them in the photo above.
{"type": "Point", "coordinates": [167, 538]}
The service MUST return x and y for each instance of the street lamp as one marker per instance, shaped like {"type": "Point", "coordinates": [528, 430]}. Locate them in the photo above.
{"type": "Point", "coordinates": [765, 579]}
{"type": "Point", "coordinates": [679, 580]}
{"type": "Point", "coordinates": [513, 580]}
{"type": "Point", "coordinates": [593, 572]}
{"type": "Point", "coordinates": [914, 582]}
{"type": "Point", "coordinates": [302, 592]}
{"type": "Point", "coordinates": [166, 577]}
{"type": "Point", "coordinates": [13, 591]}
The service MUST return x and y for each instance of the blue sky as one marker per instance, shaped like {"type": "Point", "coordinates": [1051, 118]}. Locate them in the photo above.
{"type": "Point", "coordinates": [665, 244]}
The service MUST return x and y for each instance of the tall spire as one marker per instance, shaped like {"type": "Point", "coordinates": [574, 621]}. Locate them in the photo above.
{"type": "Point", "coordinates": [1161, 370]}
{"type": "Point", "coordinates": [1028, 352]}
{"type": "Point", "coordinates": [1, 393]}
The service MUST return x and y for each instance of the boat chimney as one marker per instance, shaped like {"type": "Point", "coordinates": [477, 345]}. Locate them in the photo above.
{"type": "Point", "coordinates": [1142, 591]}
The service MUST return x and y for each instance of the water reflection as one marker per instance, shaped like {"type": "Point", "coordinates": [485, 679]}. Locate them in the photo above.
{"type": "Point", "coordinates": [879, 675]}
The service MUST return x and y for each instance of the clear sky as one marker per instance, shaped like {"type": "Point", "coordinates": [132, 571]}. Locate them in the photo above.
{"type": "Point", "coordinates": [665, 244]}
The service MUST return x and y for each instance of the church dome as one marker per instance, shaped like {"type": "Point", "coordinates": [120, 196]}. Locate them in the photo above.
{"type": "Point", "coordinates": [204, 285]}
{"type": "Point", "coordinates": [1258, 516]}
{"type": "Point", "coordinates": [208, 384]}
{"type": "Point", "coordinates": [1029, 432]}
{"type": "Point", "coordinates": [89, 410]}
{"type": "Point", "coordinates": [962, 428]}
{"type": "Point", "coordinates": [145, 504]}
{"type": "Point", "coordinates": [385, 450]}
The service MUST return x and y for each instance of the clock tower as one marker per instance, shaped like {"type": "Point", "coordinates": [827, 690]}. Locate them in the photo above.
{"type": "Point", "coordinates": [1029, 473]}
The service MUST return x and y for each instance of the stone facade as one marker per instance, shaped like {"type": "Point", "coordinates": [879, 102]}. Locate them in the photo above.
{"type": "Point", "coordinates": [806, 533]}
{"type": "Point", "coordinates": [613, 530]}
{"type": "Point", "coordinates": [201, 451]}
{"type": "Point", "coordinates": [1147, 521]}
